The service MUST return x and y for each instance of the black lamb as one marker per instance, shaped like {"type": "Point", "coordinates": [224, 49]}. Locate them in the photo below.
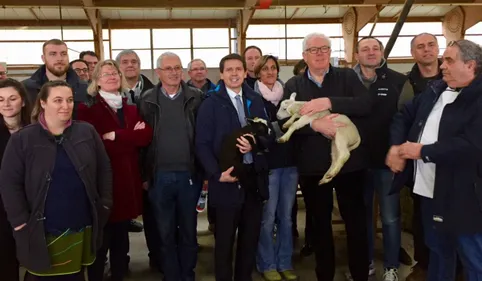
{"type": "Point", "coordinates": [230, 155]}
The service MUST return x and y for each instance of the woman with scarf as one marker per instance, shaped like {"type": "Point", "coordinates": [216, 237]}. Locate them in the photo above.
{"type": "Point", "coordinates": [55, 183]}
{"type": "Point", "coordinates": [274, 259]}
{"type": "Point", "coordinates": [123, 133]}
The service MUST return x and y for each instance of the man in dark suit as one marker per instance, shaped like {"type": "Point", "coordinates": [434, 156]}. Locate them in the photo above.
{"type": "Point", "coordinates": [237, 202]}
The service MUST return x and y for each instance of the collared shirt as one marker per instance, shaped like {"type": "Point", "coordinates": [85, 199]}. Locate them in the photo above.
{"type": "Point", "coordinates": [425, 172]}
{"type": "Point", "coordinates": [232, 96]}
{"type": "Point", "coordinates": [169, 95]}
{"type": "Point", "coordinates": [313, 78]}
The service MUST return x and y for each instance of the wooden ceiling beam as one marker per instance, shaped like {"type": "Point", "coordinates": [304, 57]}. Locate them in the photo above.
{"type": "Point", "coordinates": [187, 23]}
{"type": "Point", "coordinates": [34, 14]}
{"type": "Point", "coordinates": [93, 15]}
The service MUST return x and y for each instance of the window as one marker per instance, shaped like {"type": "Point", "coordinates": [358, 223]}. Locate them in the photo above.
{"type": "Point", "coordinates": [265, 31]}
{"type": "Point", "coordinates": [78, 34]}
{"type": "Point", "coordinates": [27, 33]}
{"type": "Point", "coordinates": [211, 57]}
{"type": "Point", "coordinates": [210, 37]}
{"type": "Point", "coordinates": [184, 55]}
{"type": "Point", "coordinates": [130, 39]}
{"type": "Point", "coordinates": [474, 38]}
{"type": "Point", "coordinates": [21, 53]}
{"type": "Point", "coordinates": [275, 47]}
{"type": "Point", "coordinates": [106, 50]}
{"type": "Point", "coordinates": [144, 56]}
{"type": "Point", "coordinates": [409, 28]}
{"type": "Point", "coordinates": [75, 48]}
{"type": "Point", "coordinates": [301, 30]}
{"type": "Point", "coordinates": [171, 38]}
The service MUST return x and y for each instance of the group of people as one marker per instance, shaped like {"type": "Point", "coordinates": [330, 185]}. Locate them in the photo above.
{"type": "Point", "coordinates": [90, 145]}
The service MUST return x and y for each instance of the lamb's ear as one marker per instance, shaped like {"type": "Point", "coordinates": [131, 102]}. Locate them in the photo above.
{"type": "Point", "coordinates": [293, 96]}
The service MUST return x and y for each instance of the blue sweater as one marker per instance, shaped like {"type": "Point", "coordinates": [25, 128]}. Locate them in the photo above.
{"type": "Point", "coordinates": [67, 204]}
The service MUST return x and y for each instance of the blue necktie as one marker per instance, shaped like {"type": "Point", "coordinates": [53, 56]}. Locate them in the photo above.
{"type": "Point", "coordinates": [248, 157]}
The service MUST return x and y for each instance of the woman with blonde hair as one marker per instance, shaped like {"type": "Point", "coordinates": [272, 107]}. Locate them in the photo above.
{"type": "Point", "coordinates": [55, 183]}
{"type": "Point", "coordinates": [123, 133]}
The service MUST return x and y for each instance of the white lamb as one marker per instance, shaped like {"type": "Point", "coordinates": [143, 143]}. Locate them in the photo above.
{"type": "Point", "coordinates": [346, 138]}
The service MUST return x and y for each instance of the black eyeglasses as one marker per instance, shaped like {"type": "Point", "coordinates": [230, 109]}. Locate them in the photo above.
{"type": "Point", "coordinates": [316, 50]}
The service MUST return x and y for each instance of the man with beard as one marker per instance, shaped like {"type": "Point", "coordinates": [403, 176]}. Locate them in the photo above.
{"type": "Point", "coordinates": [130, 65]}
{"type": "Point", "coordinates": [56, 67]}
{"type": "Point", "coordinates": [384, 86]}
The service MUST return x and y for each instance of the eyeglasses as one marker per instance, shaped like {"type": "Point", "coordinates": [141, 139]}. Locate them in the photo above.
{"type": "Point", "coordinates": [316, 50]}
{"type": "Point", "coordinates": [3, 73]}
{"type": "Point", "coordinates": [107, 75]}
{"type": "Point", "coordinates": [172, 69]}
{"type": "Point", "coordinates": [80, 70]}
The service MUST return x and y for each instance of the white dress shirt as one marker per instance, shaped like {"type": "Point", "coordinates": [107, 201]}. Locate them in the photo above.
{"type": "Point", "coordinates": [425, 172]}
{"type": "Point", "coordinates": [232, 96]}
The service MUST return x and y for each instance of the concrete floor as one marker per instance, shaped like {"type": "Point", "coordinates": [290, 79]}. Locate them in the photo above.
{"type": "Point", "coordinates": [140, 271]}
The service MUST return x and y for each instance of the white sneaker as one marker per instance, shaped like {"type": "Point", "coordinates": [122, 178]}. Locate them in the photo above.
{"type": "Point", "coordinates": [391, 274]}
{"type": "Point", "coordinates": [371, 272]}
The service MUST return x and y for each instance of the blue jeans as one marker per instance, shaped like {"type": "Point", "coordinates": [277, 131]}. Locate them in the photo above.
{"type": "Point", "coordinates": [470, 252]}
{"type": "Point", "coordinates": [276, 255]}
{"type": "Point", "coordinates": [442, 246]}
{"type": "Point", "coordinates": [173, 197]}
{"type": "Point", "coordinates": [381, 180]}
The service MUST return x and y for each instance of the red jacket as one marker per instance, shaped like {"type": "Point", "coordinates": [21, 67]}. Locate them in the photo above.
{"type": "Point", "coordinates": [123, 153]}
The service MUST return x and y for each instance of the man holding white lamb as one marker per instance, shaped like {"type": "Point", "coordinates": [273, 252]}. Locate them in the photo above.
{"type": "Point", "coordinates": [339, 90]}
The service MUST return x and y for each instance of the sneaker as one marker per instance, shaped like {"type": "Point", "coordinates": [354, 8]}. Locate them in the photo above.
{"type": "Point", "coordinates": [272, 275]}
{"type": "Point", "coordinates": [289, 275]}
{"type": "Point", "coordinates": [371, 272]}
{"type": "Point", "coordinates": [391, 274]}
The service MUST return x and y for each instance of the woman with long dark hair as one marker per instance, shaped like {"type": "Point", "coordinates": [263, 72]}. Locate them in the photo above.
{"type": "Point", "coordinates": [14, 114]}
{"type": "Point", "coordinates": [56, 186]}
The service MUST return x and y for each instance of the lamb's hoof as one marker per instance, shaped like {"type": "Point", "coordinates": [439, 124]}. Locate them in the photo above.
{"type": "Point", "coordinates": [286, 126]}
{"type": "Point", "coordinates": [325, 179]}
{"type": "Point", "coordinates": [282, 140]}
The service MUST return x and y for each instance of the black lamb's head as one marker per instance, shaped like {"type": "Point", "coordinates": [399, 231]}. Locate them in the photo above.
{"type": "Point", "coordinates": [259, 127]}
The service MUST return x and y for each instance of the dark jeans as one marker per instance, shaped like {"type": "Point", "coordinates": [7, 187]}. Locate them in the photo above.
{"type": "Point", "coordinates": [319, 201]}
{"type": "Point", "coordinates": [8, 254]}
{"type": "Point", "coordinates": [174, 197]}
{"type": "Point", "coordinates": [421, 252]}
{"type": "Point", "coordinates": [246, 219]}
{"type": "Point", "coordinates": [150, 231]}
{"type": "Point", "coordinates": [470, 251]}
{"type": "Point", "coordinates": [116, 242]}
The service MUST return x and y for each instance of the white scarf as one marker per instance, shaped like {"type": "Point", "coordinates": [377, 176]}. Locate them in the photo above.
{"type": "Point", "coordinates": [114, 100]}
{"type": "Point", "coordinates": [275, 95]}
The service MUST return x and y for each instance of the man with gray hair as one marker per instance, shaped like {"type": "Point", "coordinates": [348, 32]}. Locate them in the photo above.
{"type": "Point", "coordinates": [130, 65]}
{"type": "Point", "coordinates": [325, 87]}
{"type": "Point", "coordinates": [436, 148]}
{"type": "Point", "coordinates": [3, 70]}
{"type": "Point", "coordinates": [170, 166]}
{"type": "Point", "coordinates": [198, 72]}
